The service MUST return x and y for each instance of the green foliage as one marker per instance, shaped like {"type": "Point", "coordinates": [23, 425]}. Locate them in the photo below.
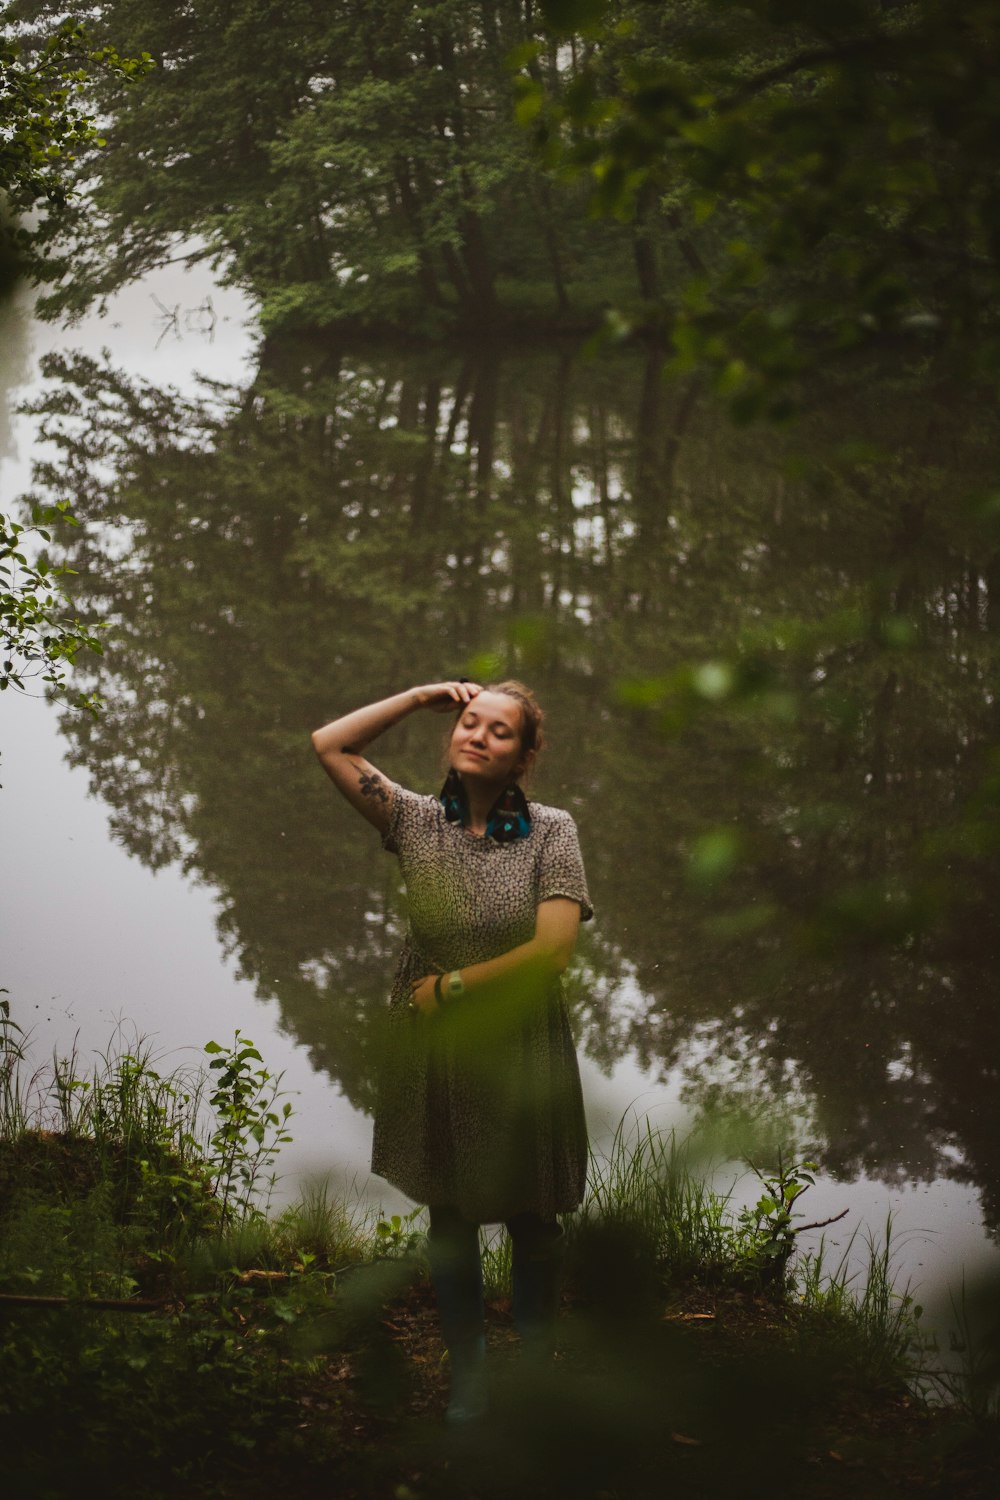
{"type": "Point", "coordinates": [250, 1126]}
{"type": "Point", "coordinates": [13, 1106]}
{"type": "Point", "coordinates": [44, 118]}
{"type": "Point", "coordinates": [185, 1398]}
{"type": "Point", "coordinates": [834, 171]}
{"type": "Point", "coordinates": [47, 120]}
{"type": "Point", "coordinates": [972, 1381]}
{"type": "Point", "coordinates": [400, 1234]}
{"type": "Point", "coordinates": [37, 639]}
{"type": "Point", "coordinates": [66, 1249]}
{"type": "Point", "coordinates": [125, 1143]}
{"type": "Point", "coordinates": [379, 181]}
{"type": "Point", "coordinates": [271, 1354]}
{"type": "Point", "coordinates": [644, 1184]}
{"type": "Point", "coordinates": [678, 1226]}
{"type": "Point", "coordinates": [766, 1227]}
{"type": "Point", "coordinates": [139, 1127]}
{"type": "Point", "coordinates": [111, 1159]}
{"type": "Point", "coordinates": [496, 1254]}
{"type": "Point", "coordinates": [781, 187]}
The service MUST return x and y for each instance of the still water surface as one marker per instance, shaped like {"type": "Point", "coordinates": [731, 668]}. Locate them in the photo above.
{"type": "Point", "coordinates": [332, 526]}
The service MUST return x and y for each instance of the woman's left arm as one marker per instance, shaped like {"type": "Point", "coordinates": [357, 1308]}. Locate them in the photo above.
{"type": "Point", "coordinates": [541, 959]}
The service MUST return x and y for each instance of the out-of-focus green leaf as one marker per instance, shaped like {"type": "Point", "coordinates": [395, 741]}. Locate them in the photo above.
{"type": "Point", "coordinates": [714, 855]}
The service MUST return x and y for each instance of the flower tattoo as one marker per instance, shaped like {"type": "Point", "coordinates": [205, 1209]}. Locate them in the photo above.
{"type": "Point", "coordinates": [373, 786]}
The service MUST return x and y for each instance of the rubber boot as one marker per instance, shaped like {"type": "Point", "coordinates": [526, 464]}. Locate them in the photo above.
{"type": "Point", "coordinates": [535, 1286]}
{"type": "Point", "coordinates": [457, 1275]}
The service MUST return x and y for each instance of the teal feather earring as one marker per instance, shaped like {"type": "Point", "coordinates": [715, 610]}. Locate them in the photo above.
{"type": "Point", "coordinates": [509, 817]}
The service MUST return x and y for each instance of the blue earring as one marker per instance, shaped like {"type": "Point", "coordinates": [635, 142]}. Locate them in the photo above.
{"type": "Point", "coordinates": [454, 800]}
{"type": "Point", "coordinates": [509, 817]}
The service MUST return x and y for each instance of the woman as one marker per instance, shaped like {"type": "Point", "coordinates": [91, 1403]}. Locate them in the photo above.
{"type": "Point", "coordinates": [480, 1114]}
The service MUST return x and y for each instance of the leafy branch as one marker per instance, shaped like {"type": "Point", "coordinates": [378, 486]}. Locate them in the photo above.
{"type": "Point", "coordinates": [44, 117]}
{"type": "Point", "coordinates": [36, 638]}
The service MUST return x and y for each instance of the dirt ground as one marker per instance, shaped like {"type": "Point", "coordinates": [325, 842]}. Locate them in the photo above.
{"type": "Point", "coordinates": [719, 1396]}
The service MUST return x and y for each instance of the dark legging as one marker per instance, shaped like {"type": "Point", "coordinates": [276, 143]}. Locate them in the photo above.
{"type": "Point", "coordinates": [530, 1233]}
{"type": "Point", "coordinates": [456, 1269]}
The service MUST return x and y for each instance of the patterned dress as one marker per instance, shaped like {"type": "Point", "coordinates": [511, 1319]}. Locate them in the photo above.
{"type": "Point", "coordinates": [480, 1106]}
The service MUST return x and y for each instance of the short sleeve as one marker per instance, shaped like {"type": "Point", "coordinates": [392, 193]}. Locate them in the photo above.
{"type": "Point", "coordinates": [409, 811]}
{"type": "Point", "coordinates": [562, 872]}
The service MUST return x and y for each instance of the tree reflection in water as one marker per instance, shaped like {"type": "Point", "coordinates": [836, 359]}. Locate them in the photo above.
{"type": "Point", "coordinates": [351, 523]}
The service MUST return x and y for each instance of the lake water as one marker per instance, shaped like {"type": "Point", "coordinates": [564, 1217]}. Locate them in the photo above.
{"type": "Point", "coordinates": [320, 526]}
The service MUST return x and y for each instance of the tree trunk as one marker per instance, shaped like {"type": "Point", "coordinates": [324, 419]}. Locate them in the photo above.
{"type": "Point", "coordinates": [411, 210]}
{"type": "Point", "coordinates": [476, 259]}
{"type": "Point", "coordinates": [647, 266]}
{"type": "Point", "coordinates": [552, 246]}
{"type": "Point", "coordinates": [685, 244]}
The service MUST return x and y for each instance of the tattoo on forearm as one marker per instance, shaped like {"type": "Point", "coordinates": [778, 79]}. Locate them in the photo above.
{"type": "Point", "coordinates": [373, 786]}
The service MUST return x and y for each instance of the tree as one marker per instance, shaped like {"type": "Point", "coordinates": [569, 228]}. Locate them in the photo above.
{"type": "Point", "coordinates": [372, 174]}
{"type": "Point", "coordinates": [47, 120]}
{"type": "Point", "coordinates": [840, 165]}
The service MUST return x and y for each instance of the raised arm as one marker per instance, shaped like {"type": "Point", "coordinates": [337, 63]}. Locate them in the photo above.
{"type": "Point", "coordinates": [339, 743]}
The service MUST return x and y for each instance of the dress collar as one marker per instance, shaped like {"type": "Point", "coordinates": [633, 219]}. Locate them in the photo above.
{"type": "Point", "coordinates": [509, 818]}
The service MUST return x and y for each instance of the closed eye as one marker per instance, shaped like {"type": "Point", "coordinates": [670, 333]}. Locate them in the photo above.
{"type": "Point", "coordinates": [499, 728]}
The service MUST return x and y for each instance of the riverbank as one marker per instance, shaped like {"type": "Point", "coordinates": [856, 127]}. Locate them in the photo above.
{"type": "Point", "coordinates": [161, 1334]}
{"type": "Point", "coordinates": [286, 1381]}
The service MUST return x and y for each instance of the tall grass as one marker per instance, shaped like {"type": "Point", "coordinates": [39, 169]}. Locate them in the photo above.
{"type": "Point", "coordinates": [646, 1184]}
{"type": "Point", "coordinates": [317, 1233]}
{"type": "Point", "coordinates": [13, 1112]}
{"type": "Point", "coordinates": [645, 1208]}
{"type": "Point", "coordinates": [874, 1322]}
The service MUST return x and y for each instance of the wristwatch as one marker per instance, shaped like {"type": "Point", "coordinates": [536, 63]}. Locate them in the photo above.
{"type": "Point", "coordinates": [455, 986]}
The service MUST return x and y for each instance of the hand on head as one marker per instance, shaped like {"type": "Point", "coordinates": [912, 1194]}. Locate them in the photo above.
{"type": "Point", "coordinates": [445, 697]}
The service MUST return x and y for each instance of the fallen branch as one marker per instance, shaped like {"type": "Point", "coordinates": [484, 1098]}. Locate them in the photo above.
{"type": "Point", "coordinates": [98, 1304]}
{"type": "Point", "coordinates": [822, 1223]}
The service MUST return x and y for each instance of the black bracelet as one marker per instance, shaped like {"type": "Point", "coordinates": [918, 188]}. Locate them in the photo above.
{"type": "Point", "coordinates": [437, 989]}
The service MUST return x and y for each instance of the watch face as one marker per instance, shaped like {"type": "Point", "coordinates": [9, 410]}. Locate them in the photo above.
{"type": "Point", "coordinates": [455, 985]}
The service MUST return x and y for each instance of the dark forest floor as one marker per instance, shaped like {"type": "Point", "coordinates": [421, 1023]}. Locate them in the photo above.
{"type": "Point", "coordinates": [722, 1396]}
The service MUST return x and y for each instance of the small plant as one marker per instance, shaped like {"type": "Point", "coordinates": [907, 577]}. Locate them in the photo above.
{"type": "Point", "coordinates": [250, 1125]}
{"type": "Point", "coordinates": [323, 1228]}
{"type": "Point", "coordinates": [497, 1258]}
{"type": "Point", "coordinates": [398, 1236]}
{"type": "Point", "coordinates": [766, 1229]}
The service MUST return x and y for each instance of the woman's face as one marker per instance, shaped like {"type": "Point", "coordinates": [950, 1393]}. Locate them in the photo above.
{"type": "Point", "coordinates": [486, 740]}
